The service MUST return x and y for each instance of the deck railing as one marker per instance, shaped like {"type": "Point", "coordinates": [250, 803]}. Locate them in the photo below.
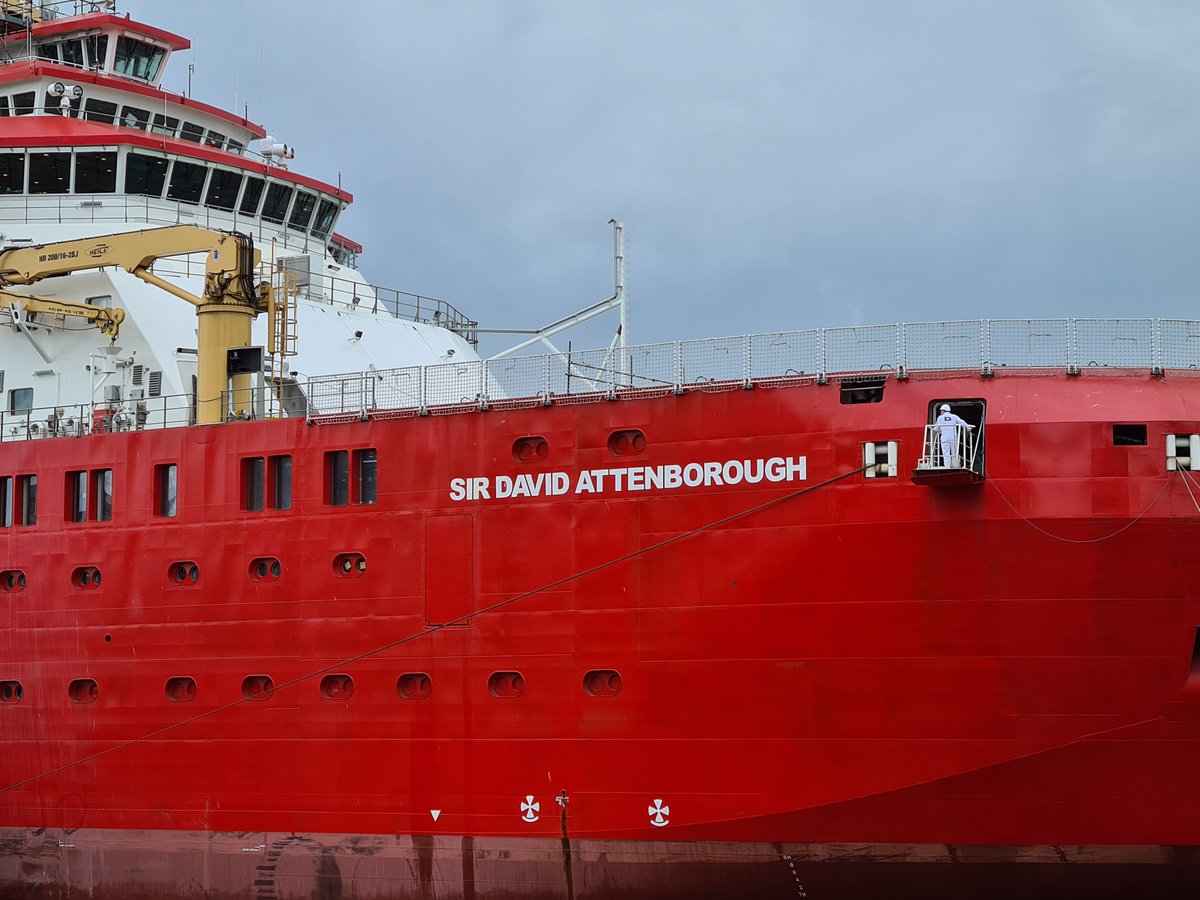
{"type": "Point", "coordinates": [988, 346]}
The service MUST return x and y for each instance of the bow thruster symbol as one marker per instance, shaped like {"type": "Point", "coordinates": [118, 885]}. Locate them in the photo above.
{"type": "Point", "coordinates": [530, 809]}
{"type": "Point", "coordinates": [658, 814]}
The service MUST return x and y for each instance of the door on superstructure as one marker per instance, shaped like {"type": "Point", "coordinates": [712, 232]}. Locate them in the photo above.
{"type": "Point", "coordinates": [449, 569]}
{"type": "Point", "coordinates": [970, 450]}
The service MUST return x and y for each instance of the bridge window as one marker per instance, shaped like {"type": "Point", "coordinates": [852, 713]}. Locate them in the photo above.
{"type": "Point", "coordinates": [192, 132]}
{"type": "Point", "coordinates": [100, 111]}
{"type": "Point", "coordinates": [48, 51]}
{"type": "Point", "coordinates": [235, 147]}
{"type": "Point", "coordinates": [3, 106]}
{"type": "Point", "coordinates": [187, 182]}
{"type": "Point", "coordinates": [215, 139]}
{"type": "Point", "coordinates": [12, 173]}
{"type": "Point", "coordinates": [95, 173]}
{"type": "Point", "coordinates": [145, 175]}
{"type": "Point", "coordinates": [251, 196]}
{"type": "Point", "coordinates": [72, 53]}
{"type": "Point", "coordinates": [276, 204]}
{"type": "Point", "coordinates": [23, 103]}
{"type": "Point", "coordinates": [164, 124]}
{"type": "Point", "coordinates": [326, 213]}
{"type": "Point", "coordinates": [302, 211]}
{"type": "Point", "coordinates": [137, 59]}
{"type": "Point", "coordinates": [49, 173]}
{"type": "Point", "coordinates": [97, 50]}
{"type": "Point", "coordinates": [222, 189]}
{"type": "Point", "coordinates": [132, 117]}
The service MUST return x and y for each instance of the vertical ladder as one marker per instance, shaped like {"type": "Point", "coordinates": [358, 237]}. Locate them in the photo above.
{"type": "Point", "coordinates": [281, 336]}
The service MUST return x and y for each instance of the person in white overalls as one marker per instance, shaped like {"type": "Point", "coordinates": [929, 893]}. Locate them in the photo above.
{"type": "Point", "coordinates": [947, 423]}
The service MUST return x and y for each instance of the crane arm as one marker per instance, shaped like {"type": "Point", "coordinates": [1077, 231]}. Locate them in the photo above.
{"type": "Point", "coordinates": [224, 312]}
{"type": "Point", "coordinates": [229, 269]}
{"type": "Point", "coordinates": [106, 319]}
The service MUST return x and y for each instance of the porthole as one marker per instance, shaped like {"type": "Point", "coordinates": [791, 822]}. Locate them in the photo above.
{"type": "Point", "coordinates": [181, 689]}
{"type": "Point", "coordinates": [414, 686]}
{"type": "Point", "coordinates": [349, 565]}
{"type": "Point", "coordinates": [533, 448]}
{"type": "Point", "coordinates": [86, 577]}
{"type": "Point", "coordinates": [257, 687]}
{"type": "Point", "coordinates": [629, 442]}
{"type": "Point", "coordinates": [12, 580]}
{"type": "Point", "coordinates": [337, 687]}
{"type": "Point", "coordinates": [11, 692]}
{"type": "Point", "coordinates": [83, 690]}
{"type": "Point", "coordinates": [602, 683]}
{"type": "Point", "coordinates": [186, 572]}
{"type": "Point", "coordinates": [506, 684]}
{"type": "Point", "coordinates": [265, 568]}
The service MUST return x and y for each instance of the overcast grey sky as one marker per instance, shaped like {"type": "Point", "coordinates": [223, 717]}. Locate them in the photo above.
{"type": "Point", "coordinates": [778, 165]}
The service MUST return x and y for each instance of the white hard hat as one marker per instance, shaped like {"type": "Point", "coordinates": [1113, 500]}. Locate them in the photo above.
{"type": "Point", "coordinates": [945, 407]}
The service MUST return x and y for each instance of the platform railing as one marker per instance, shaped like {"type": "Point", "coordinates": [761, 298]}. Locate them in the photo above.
{"type": "Point", "coordinates": [988, 346]}
{"type": "Point", "coordinates": [101, 417]}
{"type": "Point", "coordinates": [950, 447]}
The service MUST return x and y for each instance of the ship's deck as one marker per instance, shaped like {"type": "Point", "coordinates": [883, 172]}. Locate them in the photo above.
{"type": "Point", "coordinates": [862, 355]}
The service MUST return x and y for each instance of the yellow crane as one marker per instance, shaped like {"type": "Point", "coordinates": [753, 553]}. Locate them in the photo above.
{"type": "Point", "coordinates": [224, 313]}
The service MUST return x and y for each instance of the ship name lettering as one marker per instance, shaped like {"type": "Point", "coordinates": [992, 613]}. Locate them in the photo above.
{"type": "Point", "coordinates": [671, 476]}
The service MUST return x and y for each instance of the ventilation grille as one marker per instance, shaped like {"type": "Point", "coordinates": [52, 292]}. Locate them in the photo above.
{"type": "Point", "coordinates": [137, 374]}
{"type": "Point", "coordinates": [1, 381]}
{"type": "Point", "coordinates": [156, 384]}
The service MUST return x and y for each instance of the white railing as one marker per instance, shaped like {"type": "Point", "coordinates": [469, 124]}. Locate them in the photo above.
{"type": "Point", "coordinates": [950, 447]}
{"type": "Point", "coordinates": [79, 419]}
{"type": "Point", "coordinates": [990, 347]}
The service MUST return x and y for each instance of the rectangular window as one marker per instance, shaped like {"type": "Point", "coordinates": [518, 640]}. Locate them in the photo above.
{"type": "Point", "coordinates": [137, 59]}
{"type": "Point", "coordinates": [12, 173]}
{"type": "Point", "coordinates": [215, 139]}
{"type": "Point", "coordinates": [253, 483]}
{"type": "Point", "coordinates": [325, 217]}
{"type": "Point", "coordinates": [164, 124]}
{"type": "Point", "coordinates": [187, 182]}
{"type": "Point", "coordinates": [364, 476]}
{"type": "Point", "coordinates": [77, 496]}
{"type": "Point", "coordinates": [3, 106]}
{"type": "Point", "coordinates": [72, 53]}
{"type": "Point", "coordinates": [251, 196]}
{"type": "Point", "coordinates": [23, 103]}
{"type": "Point", "coordinates": [27, 499]}
{"type": "Point", "coordinates": [281, 482]}
{"type": "Point", "coordinates": [145, 175]}
{"type": "Point", "coordinates": [100, 111]}
{"type": "Point", "coordinates": [222, 189]}
{"type": "Point", "coordinates": [1129, 435]}
{"type": "Point", "coordinates": [49, 173]}
{"type": "Point", "coordinates": [48, 51]}
{"type": "Point", "coordinates": [6, 501]}
{"type": "Point", "coordinates": [302, 211]}
{"type": "Point", "coordinates": [337, 478]}
{"type": "Point", "coordinates": [235, 147]}
{"type": "Point", "coordinates": [132, 117]}
{"type": "Point", "coordinates": [276, 204]}
{"type": "Point", "coordinates": [102, 487]}
{"type": "Point", "coordinates": [192, 132]}
{"type": "Point", "coordinates": [20, 400]}
{"type": "Point", "coordinates": [95, 173]}
{"type": "Point", "coordinates": [166, 489]}
{"type": "Point", "coordinates": [97, 50]}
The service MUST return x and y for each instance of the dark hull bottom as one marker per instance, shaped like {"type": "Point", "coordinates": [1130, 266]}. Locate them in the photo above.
{"type": "Point", "coordinates": [157, 865]}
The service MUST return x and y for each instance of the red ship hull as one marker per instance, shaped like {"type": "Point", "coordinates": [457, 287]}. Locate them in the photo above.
{"type": "Point", "coordinates": [832, 687]}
